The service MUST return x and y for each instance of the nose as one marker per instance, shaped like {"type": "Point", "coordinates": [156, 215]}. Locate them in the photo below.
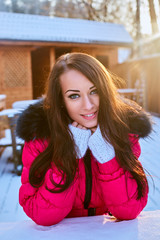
{"type": "Point", "coordinates": [87, 103]}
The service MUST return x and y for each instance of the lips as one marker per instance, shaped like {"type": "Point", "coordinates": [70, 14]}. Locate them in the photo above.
{"type": "Point", "coordinates": [89, 116]}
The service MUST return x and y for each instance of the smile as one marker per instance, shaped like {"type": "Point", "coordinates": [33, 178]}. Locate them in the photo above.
{"type": "Point", "coordinates": [89, 116]}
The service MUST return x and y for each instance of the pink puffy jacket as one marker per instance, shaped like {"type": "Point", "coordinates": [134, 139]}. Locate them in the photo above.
{"type": "Point", "coordinates": [113, 190]}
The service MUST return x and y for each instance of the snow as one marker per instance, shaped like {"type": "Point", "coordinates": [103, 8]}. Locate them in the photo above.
{"type": "Point", "coordinates": [24, 104]}
{"type": "Point", "coordinates": [29, 27]}
{"type": "Point", "coordinates": [145, 227]}
{"type": "Point", "coordinates": [9, 112]}
{"type": "Point", "coordinates": [150, 159]}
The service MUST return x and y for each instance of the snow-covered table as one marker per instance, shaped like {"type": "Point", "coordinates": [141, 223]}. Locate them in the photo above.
{"type": "Point", "coordinates": [8, 120]}
{"type": "Point", "coordinates": [24, 104]}
{"type": "Point", "coordinates": [145, 227]}
{"type": "Point", "coordinates": [129, 92]}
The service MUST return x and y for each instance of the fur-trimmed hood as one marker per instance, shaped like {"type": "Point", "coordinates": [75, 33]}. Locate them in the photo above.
{"type": "Point", "coordinates": [33, 123]}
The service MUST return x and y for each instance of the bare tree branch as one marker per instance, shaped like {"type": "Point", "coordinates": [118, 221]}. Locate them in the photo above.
{"type": "Point", "coordinates": [153, 17]}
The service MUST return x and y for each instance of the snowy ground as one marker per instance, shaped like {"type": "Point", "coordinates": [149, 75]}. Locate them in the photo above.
{"type": "Point", "coordinates": [150, 158]}
{"type": "Point", "coordinates": [145, 227]}
{"type": "Point", "coordinates": [15, 225]}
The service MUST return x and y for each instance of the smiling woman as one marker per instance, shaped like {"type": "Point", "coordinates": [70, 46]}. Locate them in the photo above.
{"type": "Point", "coordinates": [81, 147]}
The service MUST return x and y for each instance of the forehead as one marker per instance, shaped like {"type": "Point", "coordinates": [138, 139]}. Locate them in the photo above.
{"type": "Point", "coordinates": [73, 79]}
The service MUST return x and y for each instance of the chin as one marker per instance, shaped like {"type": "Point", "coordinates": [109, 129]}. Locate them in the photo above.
{"type": "Point", "coordinates": [90, 125]}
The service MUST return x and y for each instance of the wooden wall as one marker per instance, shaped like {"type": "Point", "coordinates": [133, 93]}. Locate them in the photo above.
{"type": "Point", "coordinates": [146, 71]}
{"type": "Point", "coordinates": [40, 70]}
{"type": "Point", "coordinates": [15, 72]}
{"type": "Point", "coordinates": [152, 74]}
{"type": "Point", "coordinates": [105, 52]}
{"type": "Point", "coordinates": [25, 70]}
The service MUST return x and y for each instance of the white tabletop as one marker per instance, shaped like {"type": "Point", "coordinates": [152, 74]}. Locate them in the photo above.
{"type": "Point", "coordinates": [127, 90]}
{"type": "Point", "coordinates": [10, 112]}
{"type": "Point", "coordinates": [24, 104]}
{"type": "Point", "coordinates": [145, 227]}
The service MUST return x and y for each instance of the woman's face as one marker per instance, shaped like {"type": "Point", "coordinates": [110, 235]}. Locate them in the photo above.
{"type": "Point", "coordinates": [80, 98]}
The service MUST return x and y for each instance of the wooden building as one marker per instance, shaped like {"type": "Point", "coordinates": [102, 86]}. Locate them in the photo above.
{"type": "Point", "coordinates": [30, 44]}
{"type": "Point", "coordinates": [143, 72]}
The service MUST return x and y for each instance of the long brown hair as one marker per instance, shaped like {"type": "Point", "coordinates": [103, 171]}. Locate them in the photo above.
{"type": "Point", "coordinates": [112, 119]}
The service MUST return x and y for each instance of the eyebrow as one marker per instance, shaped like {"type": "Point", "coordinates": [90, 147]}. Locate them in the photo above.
{"type": "Point", "coordinates": [72, 90]}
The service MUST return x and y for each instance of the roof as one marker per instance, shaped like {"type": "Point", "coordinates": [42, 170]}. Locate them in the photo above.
{"type": "Point", "coordinates": [27, 27]}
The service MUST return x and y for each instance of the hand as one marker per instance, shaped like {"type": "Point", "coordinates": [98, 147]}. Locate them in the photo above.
{"type": "Point", "coordinates": [75, 124]}
{"type": "Point", "coordinates": [101, 149]}
{"type": "Point", "coordinates": [81, 137]}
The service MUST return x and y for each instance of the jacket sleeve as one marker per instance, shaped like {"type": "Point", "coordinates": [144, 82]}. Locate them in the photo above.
{"type": "Point", "coordinates": [42, 206]}
{"type": "Point", "coordinates": [119, 189]}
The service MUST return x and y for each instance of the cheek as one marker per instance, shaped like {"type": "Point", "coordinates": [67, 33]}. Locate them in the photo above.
{"type": "Point", "coordinates": [96, 101]}
{"type": "Point", "coordinates": [72, 109]}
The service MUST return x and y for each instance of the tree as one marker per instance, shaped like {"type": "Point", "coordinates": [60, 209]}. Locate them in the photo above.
{"type": "Point", "coordinates": [3, 6]}
{"type": "Point", "coordinates": [95, 10]}
{"type": "Point", "coordinates": [153, 16]}
{"type": "Point", "coordinates": [119, 11]}
{"type": "Point", "coordinates": [138, 29]}
{"type": "Point", "coordinates": [27, 6]}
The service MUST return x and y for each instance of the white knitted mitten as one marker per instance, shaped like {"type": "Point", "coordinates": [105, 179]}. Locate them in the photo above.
{"type": "Point", "coordinates": [100, 148]}
{"type": "Point", "coordinates": [81, 137]}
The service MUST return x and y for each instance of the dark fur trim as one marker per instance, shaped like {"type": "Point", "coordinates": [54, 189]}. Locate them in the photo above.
{"type": "Point", "coordinates": [32, 123]}
{"type": "Point", "coordinates": [140, 123]}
